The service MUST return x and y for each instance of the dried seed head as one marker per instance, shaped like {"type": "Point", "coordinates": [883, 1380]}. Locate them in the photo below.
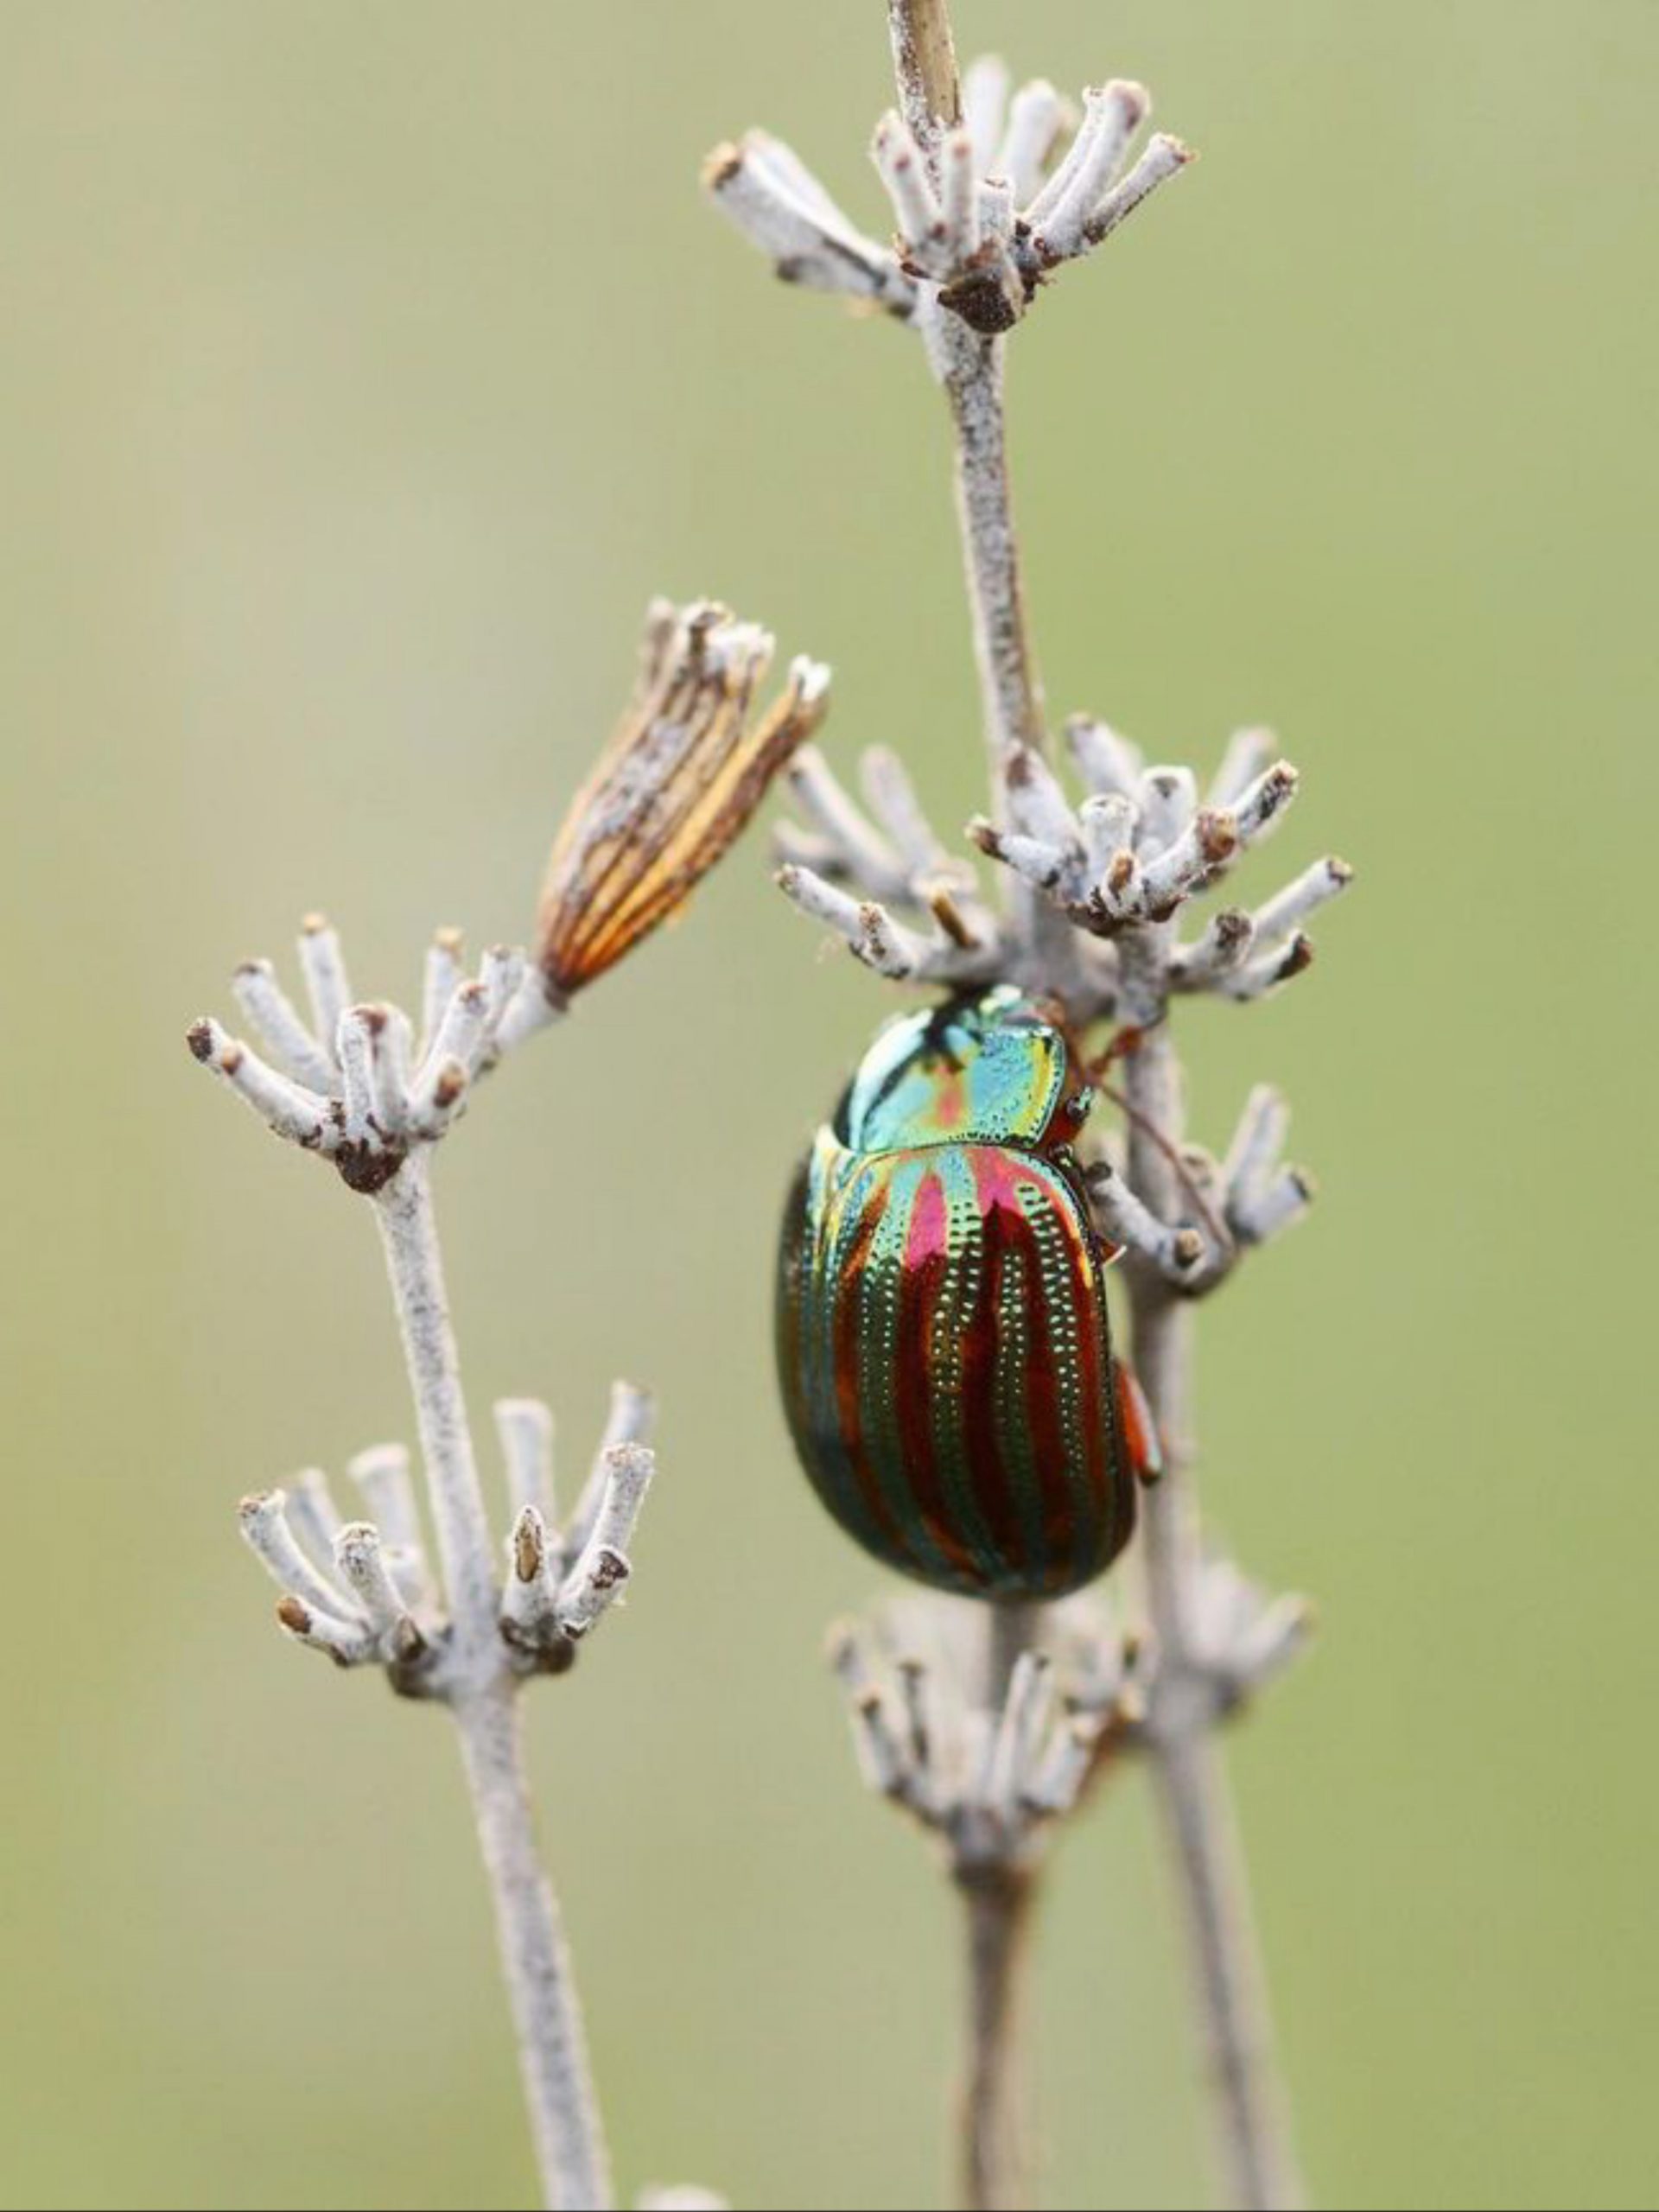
{"type": "Point", "coordinates": [679, 779]}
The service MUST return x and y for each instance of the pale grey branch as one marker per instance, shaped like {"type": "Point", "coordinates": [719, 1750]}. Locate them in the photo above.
{"type": "Point", "coordinates": [525, 1427]}
{"type": "Point", "coordinates": [981, 217]}
{"type": "Point", "coordinates": [382, 1474]}
{"type": "Point", "coordinates": [630, 1419]}
{"type": "Point", "coordinates": [764, 189]}
{"type": "Point", "coordinates": [979, 1755]}
{"type": "Point", "coordinates": [272, 1013]}
{"type": "Point", "coordinates": [266, 1532]}
{"type": "Point", "coordinates": [948, 952]}
{"type": "Point", "coordinates": [313, 1515]}
{"type": "Point", "coordinates": [1184, 1703]}
{"type": "Point", "coordinates": [323, 965]}
{"type": "Point", "coordinates": [594, 1582]}
{"type": "Point", "coordinates": [361, 1591]}
{"type": "Point", "coordinates": [982, 1741]}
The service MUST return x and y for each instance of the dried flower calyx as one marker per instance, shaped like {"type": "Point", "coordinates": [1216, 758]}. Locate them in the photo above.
{"type": "Point", "coordinates": [355, 1082]}
{"type": "Point", "coordinates": [685, 770]}
{"type": "Point", "coordinates": [1023, 183]}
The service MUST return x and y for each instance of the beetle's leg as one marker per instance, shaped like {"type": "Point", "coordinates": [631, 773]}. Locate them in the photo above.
{"type": "Point", "coordinates": [1135, 1420]}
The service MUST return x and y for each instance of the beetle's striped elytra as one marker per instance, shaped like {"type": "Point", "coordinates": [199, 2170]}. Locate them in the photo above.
{"type": "Point", "coordinates": [942, 1338]}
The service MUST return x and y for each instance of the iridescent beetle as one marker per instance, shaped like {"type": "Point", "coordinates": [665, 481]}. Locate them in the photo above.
{"type": "Point", "coordinates": [942, 1340]}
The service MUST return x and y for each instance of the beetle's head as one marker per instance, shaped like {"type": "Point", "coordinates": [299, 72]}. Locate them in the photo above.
{"type": "Point", "coordinates": [989, 1069]}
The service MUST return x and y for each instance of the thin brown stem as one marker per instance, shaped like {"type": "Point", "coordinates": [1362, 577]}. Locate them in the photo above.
{"type": "Point", "coordinates": [1251, 2124]}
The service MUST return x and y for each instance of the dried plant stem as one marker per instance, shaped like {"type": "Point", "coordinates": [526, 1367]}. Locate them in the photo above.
{"type": "Point", "coordinates": [995, 2145]}
{"type": "Point", "coordinates": [998, 1898]}
{"type": "Point", "coordinates": [1255, 2142]}
{"type": "Point", "coordinates": [970, 368]}
{"type": "Point", "coordinates": [971, 371]}
{"type": "Point", "coordinates": [985, 209]}
{"type": "Point", "coordinates": [403, 1214]}
{"type": "Point", "coordinates": [541, 1982]}
{"type": "Point", "coordinates": [1250, 2118]}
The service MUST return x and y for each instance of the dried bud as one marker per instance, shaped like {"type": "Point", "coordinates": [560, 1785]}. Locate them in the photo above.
{"type": "Point", "coordinates": [680, 778]}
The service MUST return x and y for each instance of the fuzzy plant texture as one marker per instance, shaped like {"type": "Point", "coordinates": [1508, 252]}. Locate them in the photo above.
{"type": "Point", "coordinates": [1096, 882]}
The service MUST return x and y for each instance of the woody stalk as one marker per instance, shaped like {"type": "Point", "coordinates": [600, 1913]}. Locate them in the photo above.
{"type": "Point", "coordinates": [988, 1725]}
{"type": "Point", "coordinates": [363, 1089]}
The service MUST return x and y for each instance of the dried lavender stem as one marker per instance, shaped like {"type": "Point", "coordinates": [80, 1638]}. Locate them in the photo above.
{"type": "Point", "coordinates": [995, 2148]}
{"type": "Point", "coordinates": [970, 369]}
{"type": "Point", "coordinates": [541, 1982]}
{"type": "Point", "coordinates": [403, 1215]}
{"type": "Point", "coordinates": [1250, 2115]}
{"type": "Point", "coordinates": [971, 253]}
{"type": "Point", "coordinates": [994, 2153]}
{"type": "Point", "coordinates": [1258, 2158]}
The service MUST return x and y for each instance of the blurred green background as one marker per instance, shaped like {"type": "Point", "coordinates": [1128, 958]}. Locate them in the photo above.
{"type": "Point", "coordinates": [365, 368]}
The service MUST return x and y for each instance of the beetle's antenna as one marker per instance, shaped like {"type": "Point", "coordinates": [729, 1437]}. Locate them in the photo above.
{"type": "Point", "coordinates": [1215, 1227]}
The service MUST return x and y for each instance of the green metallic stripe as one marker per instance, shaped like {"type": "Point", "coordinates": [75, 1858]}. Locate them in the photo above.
{"type": "Point", "coordinates": [1014, 1438]}
{"type": "Point", "coordinates": [1110, 1478]}
{"type": "Point", "coordinates": [835, 1220]}
{"type": "Point", "coordinates": [1048, 1208]}
{"type": "Point", "coordinates": [963, 1286]}
{"type": "Point", "coordinates": [1040, 1412]}
{"type": "Point", "coordinates": [1117, 1472]}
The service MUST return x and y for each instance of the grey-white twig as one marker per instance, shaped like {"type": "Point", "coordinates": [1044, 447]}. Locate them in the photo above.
{"type": "Point", "coordinates": [990, 195]}
{"type": "Point", "coordinates": [986, 1727]}
{"type": "Point", "coordinates": [1253, 2132]}
{"type": "Point", "coordinates": [360, 1085]}
{"type": "Point", "coordinates": [984, 1742]}
{"type": "Point", "coordinates": [360, 1591]}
